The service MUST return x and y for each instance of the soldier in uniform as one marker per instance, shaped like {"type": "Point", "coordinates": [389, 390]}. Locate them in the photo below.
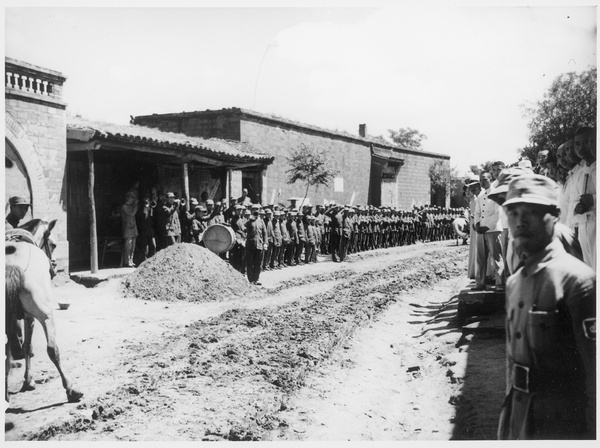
{"type": "Point", "coordinates": [292, 229]}
{"type": "Point", "coordinates": [285, 239]}
{"type": "Point", "coordinates": [346, 233]}
{"type": "Point", "coordinates": [256, 245]}
{"type": "Point", "coordinates": [277, 241]}
{"type": "Point", "coordinates": [550, 324]}
{"type": "Point", "coordinates": [169, 228]}
{"type": "Point", "coordinates": [267, 216]}
{"type": "Point", "coordinates": [238, 225]}
{"type": "Point", "coordinates": [18, 209]}
{"type": "Point", "coordinates": [301, 238]}
{"type": "Point", "coordinates": [335, 226]}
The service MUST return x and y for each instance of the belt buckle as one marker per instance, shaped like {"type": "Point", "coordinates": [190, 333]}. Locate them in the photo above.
{"type": "Point", "coordinates": [521, 378]}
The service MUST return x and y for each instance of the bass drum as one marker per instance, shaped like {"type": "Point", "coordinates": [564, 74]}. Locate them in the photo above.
{"type": "Point", "coordinates": [219, 238]}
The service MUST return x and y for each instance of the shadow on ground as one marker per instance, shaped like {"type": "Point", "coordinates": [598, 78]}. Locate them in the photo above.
{"type": "Point", "coordinates": [481, 379]}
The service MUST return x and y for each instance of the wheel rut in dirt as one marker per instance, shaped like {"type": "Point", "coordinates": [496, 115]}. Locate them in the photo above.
{"type": "Point", "coordinates": [230, 376]}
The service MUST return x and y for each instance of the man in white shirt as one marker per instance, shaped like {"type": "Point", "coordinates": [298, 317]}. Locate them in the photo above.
{"type": "Point", "coordinates": [577, 184]}
{"type": "Point", "coordinates": [564, 159]}
{"type": "Point", "coordinates": [585, 208]}
{"type": "Point", "coordinates": [563, 194]}
{"type": "Point", "coordinates": [496, 169]}
{"type": "Point", "coordinates": [488, 227]}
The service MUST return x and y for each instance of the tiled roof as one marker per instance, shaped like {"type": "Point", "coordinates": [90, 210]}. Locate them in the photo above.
{"type": "Point", "coordinates": [375, 140]}
{"type": "Point", "coordinates": [131, 133]}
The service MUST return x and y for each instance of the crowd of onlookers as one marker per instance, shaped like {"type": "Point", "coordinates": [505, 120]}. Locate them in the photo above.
{"type": "Point", "coordinates": [533, 233]}
{"type": "Point", "coordinates": [573, 167]}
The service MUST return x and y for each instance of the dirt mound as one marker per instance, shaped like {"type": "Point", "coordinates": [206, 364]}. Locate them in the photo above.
{"type": "Point", "coordinates": [186, 272]}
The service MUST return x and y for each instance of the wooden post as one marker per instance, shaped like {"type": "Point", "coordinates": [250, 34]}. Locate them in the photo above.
{"type": "Point", "coordinates": [228, 186]}
{"type": "Point", "coordinates": [93, 236]}
{"type": "Point", "coordinates": [186, 186]}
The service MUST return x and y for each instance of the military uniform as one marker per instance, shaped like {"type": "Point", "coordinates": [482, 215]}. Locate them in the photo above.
{"type": "Point", "coordinates": [550, 325]}
{"type": "Point", "coordinates": [551, 345]}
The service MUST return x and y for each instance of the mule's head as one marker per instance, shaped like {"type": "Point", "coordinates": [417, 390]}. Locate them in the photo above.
{"type": "Point", "coordinates": [41, 230]}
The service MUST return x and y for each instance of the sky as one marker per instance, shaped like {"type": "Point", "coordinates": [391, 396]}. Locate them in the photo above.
{"type": "Point", "coordinates": [457, 72]}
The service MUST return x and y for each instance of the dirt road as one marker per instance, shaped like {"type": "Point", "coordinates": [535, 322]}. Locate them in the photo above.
{"type": "Point", "coordinates": [363, 350]}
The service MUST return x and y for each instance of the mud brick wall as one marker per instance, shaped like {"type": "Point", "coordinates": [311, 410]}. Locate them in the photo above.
{"type": "Point", "coordinates": [351, 160]}
{"type": "Point", "coordinates": [413, 181]}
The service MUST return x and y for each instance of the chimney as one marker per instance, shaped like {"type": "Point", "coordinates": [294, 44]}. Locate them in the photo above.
{"type": "Point", "coordinates": [362, 130]}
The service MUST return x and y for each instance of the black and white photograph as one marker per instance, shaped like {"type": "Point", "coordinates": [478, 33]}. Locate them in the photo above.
{"type": "Point", "coordinates": [300, 222]}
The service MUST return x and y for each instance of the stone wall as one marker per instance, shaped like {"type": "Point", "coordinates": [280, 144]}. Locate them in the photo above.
{"type": "Point", "coordinates": [36, 132]}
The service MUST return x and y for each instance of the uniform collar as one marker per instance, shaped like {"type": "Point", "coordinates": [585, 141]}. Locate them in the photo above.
{"type": "Point", "coordinates": [538, 261]}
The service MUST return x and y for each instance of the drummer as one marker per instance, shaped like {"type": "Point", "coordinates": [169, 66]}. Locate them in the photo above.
{"type": "Point", "coordinates": [216, 217]}
{"type": "Point", "coordinates": [199, 224]}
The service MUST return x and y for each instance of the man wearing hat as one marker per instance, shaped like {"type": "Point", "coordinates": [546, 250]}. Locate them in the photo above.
{"type": "Point", "coordinates": [256, 244]}
{"type": "Point", "coordinates": [267, 217]}
{"type": "Point", "coordinates": [238, 225]}
{"type": "Point", "coordinates": [18, 209]}
{"type": "Point", "coordinates": [168, 224]}
{"type": "Point", "coordinates": [489, 232]}
{"type": "Point", "coordinates": [550, 324]}
{"type": "Point", "coordinates": [277, 240]}
{"type": "Point", "coordinates": [335, 230]}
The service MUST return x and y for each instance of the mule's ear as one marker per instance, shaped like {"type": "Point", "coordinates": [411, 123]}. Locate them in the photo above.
{"type": "Point", "coordinates": [52, 224]}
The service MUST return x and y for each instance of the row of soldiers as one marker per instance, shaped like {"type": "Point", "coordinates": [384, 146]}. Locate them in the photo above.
{"type": "Point", "coordinates": [296, 237]}
{"type": "Point", "coordinates": [293, 236]}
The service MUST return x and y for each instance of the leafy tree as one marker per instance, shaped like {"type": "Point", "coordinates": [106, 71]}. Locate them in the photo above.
{"type": "Point", "coordinates": [407, 138]}
{"type": "Point", "coordinates": [443, 178]}
{"type": "Point", "coordinates": [569, 103]}
{"type": "Point", "coordinates": [310, 166]}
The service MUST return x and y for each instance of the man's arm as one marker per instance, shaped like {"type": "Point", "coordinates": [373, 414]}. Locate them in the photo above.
{"type": "Point", "coordinates": [581, 303]}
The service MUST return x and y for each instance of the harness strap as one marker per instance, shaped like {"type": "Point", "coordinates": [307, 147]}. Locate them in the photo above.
{"type": "Point", "coordinates": [19, 235]}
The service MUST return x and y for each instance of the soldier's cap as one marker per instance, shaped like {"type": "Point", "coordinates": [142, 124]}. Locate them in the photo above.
{"type": "Point", "coordinates": [506, 176]}
{"type": "Point", "coordinates": [18, 200]}
{"type": "Point", "coordinates": [532, 189]}
{"type": "Point", "coordinates": [247, 212]}
{"type": "Point", "coordinates": [194, 201]}
{"type": "Point", "coordinates": [170, 195]}
{"type": "Point", "coordinates": [199, 208]}
{"type": "Point", "coordinates": [255, 206]}
{"type": "Point", "coordinates": [210, 201]}
{"type": "Point", "coordinates": [293, 213]}
{"type": "Point", "coordinates": [238, 207]}
{"type": "Point", "coordinates": [269, 211]}
{"type": "Point", "coordinates": [276, 213]}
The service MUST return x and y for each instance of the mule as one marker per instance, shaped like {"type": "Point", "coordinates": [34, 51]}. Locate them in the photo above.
{"type": "Point", "coordinates": [461, 229]}
{"type": "Point", "coordinates": [29, 266]}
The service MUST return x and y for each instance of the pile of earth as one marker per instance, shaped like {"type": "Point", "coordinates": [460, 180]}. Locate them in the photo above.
{"type": "Point", "coordinates": [186, 272]}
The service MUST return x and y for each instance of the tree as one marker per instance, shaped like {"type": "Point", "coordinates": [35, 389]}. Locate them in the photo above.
{"type": "Point", "coordinates": [407, 138]}
{"type": "Point", "coordinates": [443, 178]}
{"type": "Point", "coordinates": [310, 166]}
{"type": "Point", "coordinates": [569, 103]}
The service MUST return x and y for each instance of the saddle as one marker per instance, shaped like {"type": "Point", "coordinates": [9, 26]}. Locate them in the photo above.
{"type": "Point", "coordinates": [24, 236]}
{"type": "Point", "coordinates": [19, 236]}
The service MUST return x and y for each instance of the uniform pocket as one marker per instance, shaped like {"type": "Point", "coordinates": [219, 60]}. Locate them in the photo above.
{"type": "Point", "coordinates": [543, 330]}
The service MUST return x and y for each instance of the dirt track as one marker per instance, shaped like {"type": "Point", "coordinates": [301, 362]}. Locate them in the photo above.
{"type": "Point", "coordinates": [364, 350]}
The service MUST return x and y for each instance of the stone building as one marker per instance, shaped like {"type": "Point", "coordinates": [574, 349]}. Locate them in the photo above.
{"type": "Point", "coordinates": [36, 146]}
{"type": "Point", "coordinates": [370, 170]}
